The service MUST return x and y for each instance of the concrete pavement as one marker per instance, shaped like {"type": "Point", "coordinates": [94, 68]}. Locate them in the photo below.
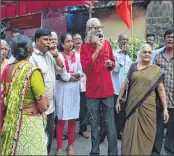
{"type": "Point", "coordinates": [82, 146]}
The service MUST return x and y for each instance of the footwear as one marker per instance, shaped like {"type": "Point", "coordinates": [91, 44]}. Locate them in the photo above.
{"type": "Point", "coordinates": [59, 152]}
{"type": "Point", "coordinates": [102, 140]}
{"type": "Point", "coordinates": [84, 134]}
{"type": "Point", "coordinates": [119, 135]}
{"type": "Point", "coordinates": [70, 150]}
{"type": "Point", "coordinates": [102, 137]}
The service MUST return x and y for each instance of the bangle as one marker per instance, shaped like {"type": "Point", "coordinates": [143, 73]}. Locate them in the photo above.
{"type": "Point", "coordinates": [55, 56]}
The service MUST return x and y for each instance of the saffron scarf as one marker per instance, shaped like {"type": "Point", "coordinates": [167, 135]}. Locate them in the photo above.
{"type": "Point", "coordinates": [73, 60]}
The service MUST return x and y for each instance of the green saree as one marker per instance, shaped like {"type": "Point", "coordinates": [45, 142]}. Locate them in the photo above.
{"type": "Point", "coordinates": [23, 134]}
{"type": "Point", "coordinates": [140, 127]}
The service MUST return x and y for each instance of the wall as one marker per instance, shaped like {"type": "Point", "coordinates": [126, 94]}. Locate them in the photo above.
{"type": "Point", "coordinates": [159, 18]}
{"type": "Point", "coordinates": [54, 19]}
{"type": "Point", "coordinates": [113, 25]}
{"type": "Point", "coordinates": [28, 32]}
{"type": "Point", "coordinates": [27, 24]}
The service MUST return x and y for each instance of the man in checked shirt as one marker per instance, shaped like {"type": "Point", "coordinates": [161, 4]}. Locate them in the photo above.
{"type": "Point", "coordinates": [165, 60]}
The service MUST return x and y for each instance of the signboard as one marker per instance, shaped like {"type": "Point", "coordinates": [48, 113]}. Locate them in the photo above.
{"type": "Point", "coordinates": [24, 22]}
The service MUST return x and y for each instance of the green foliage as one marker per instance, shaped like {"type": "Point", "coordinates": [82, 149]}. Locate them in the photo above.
{"type": "Point", "coordinates": [134, 45]}
{"type": "Point", "coordinates": [114, 44]}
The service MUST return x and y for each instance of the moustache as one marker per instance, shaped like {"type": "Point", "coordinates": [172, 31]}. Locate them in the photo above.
{"type": "Point", "coordinates": [48, 47]}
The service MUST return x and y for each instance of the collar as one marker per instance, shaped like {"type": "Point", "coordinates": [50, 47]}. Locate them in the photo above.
{"type": "Point", "coordinates": [118, 50]}
{"type": "Point", "coordinates": [38, 52]}
{"type": "Point", "coordinates": [163, 51]}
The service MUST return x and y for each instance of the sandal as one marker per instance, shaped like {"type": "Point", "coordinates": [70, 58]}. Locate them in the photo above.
{"type": "Point", "coordinates": [59, 152]}
{"type": "Point", "coordinates": [84, 134]}
{"type": "Point", "coordinates": [70, 151]}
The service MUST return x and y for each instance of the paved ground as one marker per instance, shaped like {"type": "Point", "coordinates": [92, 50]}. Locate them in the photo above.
{"type": "Point", "coordinates": [83, 146]}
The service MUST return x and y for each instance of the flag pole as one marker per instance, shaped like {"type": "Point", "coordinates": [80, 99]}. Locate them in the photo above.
{"type": "Point", "coordinates": [132, 31]}
{"type": "Point", "coordinates": [90, 9]}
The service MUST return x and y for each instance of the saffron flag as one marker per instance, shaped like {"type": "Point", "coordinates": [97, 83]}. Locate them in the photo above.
{"type": "Point", "coordinates": [124, 10]}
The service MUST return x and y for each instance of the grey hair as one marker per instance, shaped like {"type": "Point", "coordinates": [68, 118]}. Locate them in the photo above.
{"type": "Point", "coordinates": [142, 48]}
{"type": "Point", "coordinates": [90, 31]}
{"type": "Point", "coordinates": [54, 34]}
{"type": "Point", "coordinates": [4, 42]}
{"type": "Point", "coordinates": [120, 35]}
{"type": "Point", "coordinates": [76, 35]}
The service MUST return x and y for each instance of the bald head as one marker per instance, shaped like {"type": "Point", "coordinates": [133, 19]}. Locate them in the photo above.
{"type": "Point", "coordinates": [122, 40]}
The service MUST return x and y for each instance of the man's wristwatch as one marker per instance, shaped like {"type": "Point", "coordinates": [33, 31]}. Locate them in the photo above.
{"type": "Point", "coordinates": [55, 56]}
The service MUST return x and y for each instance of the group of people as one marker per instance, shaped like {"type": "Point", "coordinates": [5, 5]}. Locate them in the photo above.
{"type": "Point", "coordinates": [44, 83]}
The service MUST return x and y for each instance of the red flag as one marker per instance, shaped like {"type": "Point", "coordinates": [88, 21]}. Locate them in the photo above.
{"type": "Point", "coordinates": [124, 10]}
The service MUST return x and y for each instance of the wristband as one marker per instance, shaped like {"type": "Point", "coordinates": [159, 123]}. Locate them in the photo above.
{"type": "Point", "coordinates": [55, 56]}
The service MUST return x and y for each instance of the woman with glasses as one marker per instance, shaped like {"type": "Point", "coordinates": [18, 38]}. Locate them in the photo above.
{"type": "Point", "coordinates": [145, 80]}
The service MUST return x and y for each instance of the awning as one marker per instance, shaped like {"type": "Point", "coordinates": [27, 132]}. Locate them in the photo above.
{"type": "Point", "coordinates": [12, 8]}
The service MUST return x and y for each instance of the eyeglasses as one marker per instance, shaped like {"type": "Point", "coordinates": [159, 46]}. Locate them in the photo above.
{"type": "Point", "coordinates": [147, 52]}
{"type": "Point", "coordinates": [97, 28]}
{"type": "Point", "coordinates": [169, 37]}
{"type": "Point", "coordinates": [4, 49]}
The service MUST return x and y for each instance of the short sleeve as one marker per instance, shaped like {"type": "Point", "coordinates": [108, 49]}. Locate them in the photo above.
{"type": "Point", "coordinates": [160, 73]}
{"type": "Point", "coordinates": [132, 68]}
{"type": "Point", "coordinates": [37, 85]}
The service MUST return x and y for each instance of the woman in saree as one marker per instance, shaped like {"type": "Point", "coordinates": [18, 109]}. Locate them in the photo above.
{"type": "Point", "coordinates": [144, 80]}
{"type": "Point", "coordinates": [23, 131]}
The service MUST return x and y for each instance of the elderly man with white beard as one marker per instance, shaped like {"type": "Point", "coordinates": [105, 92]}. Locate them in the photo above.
{"type": "Point", "coordinates": [98, 61]}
